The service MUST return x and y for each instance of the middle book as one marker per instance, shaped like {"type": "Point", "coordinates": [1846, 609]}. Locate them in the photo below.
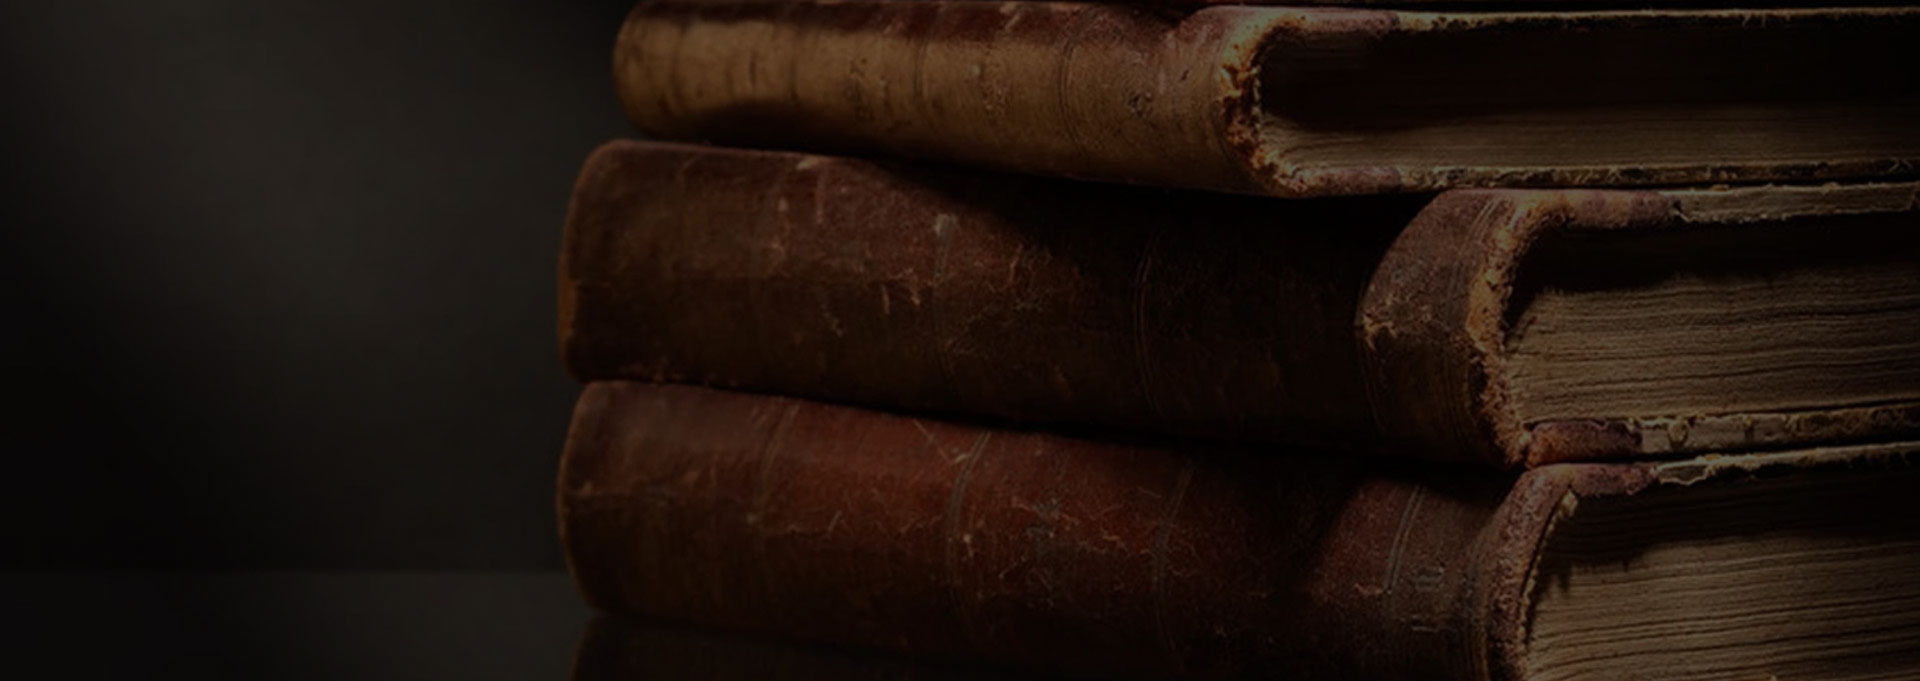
{"type": "Point", "coordinates": [1505, 327]}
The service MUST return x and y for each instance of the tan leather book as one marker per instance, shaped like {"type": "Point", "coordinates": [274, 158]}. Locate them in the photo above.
{"type": "Point", "coordinates": [839, 525]}
{"type": "Point", "coordinates": [1291, 101]}
{"type": "Point", "coordinates": [1502, 327]}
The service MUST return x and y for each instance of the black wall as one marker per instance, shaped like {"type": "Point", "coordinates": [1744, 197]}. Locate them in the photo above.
{"type": "Point", "coordinates": [279, 278]}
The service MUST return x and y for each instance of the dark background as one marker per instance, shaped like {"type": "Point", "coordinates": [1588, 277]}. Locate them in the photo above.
{"type": "Point", "coordinates": [277, 299]}
{"type": "Point", "coordinates": [279, 279]}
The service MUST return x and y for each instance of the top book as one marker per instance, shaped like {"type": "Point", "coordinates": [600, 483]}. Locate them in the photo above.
{"type": "Point", "coordinates": [1291, 101]}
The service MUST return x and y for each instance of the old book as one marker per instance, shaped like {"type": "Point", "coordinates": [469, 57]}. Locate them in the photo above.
{"type": "Point", "coordinates": [1502, 326]}
{"type": "Point", "coordinates": [1291, 101]}
{"type": "Point", "coordinates": [837, 524]}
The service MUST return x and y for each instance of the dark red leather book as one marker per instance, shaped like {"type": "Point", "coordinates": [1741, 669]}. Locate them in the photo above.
{"type": "Point", "coordinates": [1291, 101]}
{"type": "Point", "coordinates": [840, 525]}
{"type": "Point", "coordinates": [1500, 327]}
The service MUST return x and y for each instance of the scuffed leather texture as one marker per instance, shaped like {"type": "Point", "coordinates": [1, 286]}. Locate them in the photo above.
{"type": "Point", "coordinates": [840, 525]}
{"type": "Point", "coordinates": [1336, 323]}
{"type": "Point", "coordinates": [1225, 97]}
{"type": "Point", "coordinates": [1435, 319]}
{"type": "Point", "coordinates": [1033, 301]}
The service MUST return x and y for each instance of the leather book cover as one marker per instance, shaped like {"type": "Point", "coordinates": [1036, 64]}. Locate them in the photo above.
{"type": "Point", "coordinates": [837, 525]}
{"type": "Point", "coordinates": [1354, 324]}
{"type": "Point", "coordinates": [1290, 101]}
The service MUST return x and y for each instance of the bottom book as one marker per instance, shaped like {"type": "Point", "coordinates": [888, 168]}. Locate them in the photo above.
{"type": "Point", "coordinates": [841, 525]}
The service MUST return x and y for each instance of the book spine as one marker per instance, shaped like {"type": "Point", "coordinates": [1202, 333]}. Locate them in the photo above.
{"type": "Point", "coordinates": [1438, 307]}
{"type": "Point", "coordinates": [839, 525]}
{"type": "Point", "coordinates": [1442, 305]}
{"type": "Point", "coordinates": [1096, 90]}
{"type": "Point", "coordinates": [1053, 302]}
{"type": "Point", "coordinates": [1259, 99]}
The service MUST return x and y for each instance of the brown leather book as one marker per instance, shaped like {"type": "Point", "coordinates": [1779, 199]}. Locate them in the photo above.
{"type": "Point", "coordinates": [839, 525]}
{"type": "Point", "coordinates": [1291, 101]}
{"type": "Point", "coordinates": [1508, 327]}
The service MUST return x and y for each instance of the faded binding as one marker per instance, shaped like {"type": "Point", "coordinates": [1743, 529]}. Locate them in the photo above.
{"type": "Point", "coordinates": [1116, 92]}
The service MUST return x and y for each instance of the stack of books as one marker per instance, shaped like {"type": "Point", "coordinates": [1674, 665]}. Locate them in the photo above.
{"type": "Point", "coordinates": [1205, 341]}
